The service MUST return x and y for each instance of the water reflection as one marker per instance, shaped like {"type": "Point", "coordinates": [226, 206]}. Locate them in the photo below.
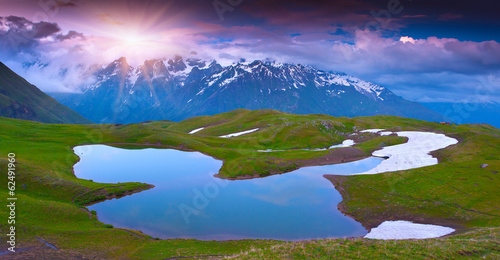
{"type": "Point", "coordinates": [188, 202]}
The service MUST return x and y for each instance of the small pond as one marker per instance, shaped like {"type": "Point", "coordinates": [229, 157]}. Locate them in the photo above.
{"type": "Point", "coordinates": [188, 202]}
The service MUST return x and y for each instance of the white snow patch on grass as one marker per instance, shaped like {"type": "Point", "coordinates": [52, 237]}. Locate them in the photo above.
{"type": "Point", "coordinates": [407, 230]}
{"type": "Point", "coordinates": [385, 133]}
{"type": "Point", "coordinates": [196, 130]}
{"type": "Point", "coordinates": [371, 130]}
{"type": "Point", "coordinates": [412, 154]}
{"type": "Point", "coordinates": [345, 143]}
{"type": "Point", "coordinates": [239, 133]}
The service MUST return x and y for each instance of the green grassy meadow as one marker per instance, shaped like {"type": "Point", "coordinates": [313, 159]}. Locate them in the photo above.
{"type": "Point", "coordinates": [456, 192]}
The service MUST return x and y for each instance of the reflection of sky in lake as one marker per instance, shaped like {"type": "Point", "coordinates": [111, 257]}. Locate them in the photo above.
{"type": "Point", "coordinates": [296, 205]}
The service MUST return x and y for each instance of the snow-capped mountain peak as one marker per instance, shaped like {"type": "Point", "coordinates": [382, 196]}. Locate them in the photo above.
{"type": "Point", "coordinates": [178, 88]}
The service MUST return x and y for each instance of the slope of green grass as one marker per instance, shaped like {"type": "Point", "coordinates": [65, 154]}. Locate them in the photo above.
{"type": "Point", "coordinates": [20, 99]}
{"type": "Point", "coordinates": [455, 192]}
{"type": "Point", "coordinates": [481, 244]}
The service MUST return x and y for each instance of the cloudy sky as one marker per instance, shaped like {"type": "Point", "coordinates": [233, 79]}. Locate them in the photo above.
{"type": "Point", "coordinates": [422, 50]}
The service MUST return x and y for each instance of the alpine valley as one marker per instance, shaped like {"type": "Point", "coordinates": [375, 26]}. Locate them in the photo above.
{"type": "Point", "coordinates": [176, 89]}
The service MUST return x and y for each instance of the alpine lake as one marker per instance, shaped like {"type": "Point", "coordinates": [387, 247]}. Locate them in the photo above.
{"type": "Point", "coordinates": [189, 202]}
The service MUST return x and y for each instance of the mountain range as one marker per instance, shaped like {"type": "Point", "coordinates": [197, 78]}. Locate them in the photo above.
{"type": "Point", "coordinates": [22, 100]}
{"type": "Point", "coordinates": [176, 89]}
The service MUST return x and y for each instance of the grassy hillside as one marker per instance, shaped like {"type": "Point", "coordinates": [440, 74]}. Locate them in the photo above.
{"type": "Point", "coordinates": [478, 244]}
{"type": "Point", "coordinates": [456, 192]}
{"type": "Point", "coordinates": [19, 99]}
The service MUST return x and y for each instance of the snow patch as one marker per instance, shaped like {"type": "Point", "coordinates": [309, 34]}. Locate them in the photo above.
{"type": "Point", "coordinates": [196, 130]}
{"type": "Point", "coordinates": [371, 130]}
{"type": "Point", "coordinates": [345, 143]}
{"type": "Point", "coordinates": [212, 82]}
{"type": "Point", "coordinates": [413, 154]}
{"type": "Point", "coordinates": [229, 80]}
{"type": "Point", "coordinates": [247, 69]}
{"type": "Point", "coordinates": [201, 91]}
{"type": "Point", "coordinates": [239, 133]}
{"type": "Point", "coordinates": [132, 78]}
{"type": "Point", "coordinates": [401, 229]}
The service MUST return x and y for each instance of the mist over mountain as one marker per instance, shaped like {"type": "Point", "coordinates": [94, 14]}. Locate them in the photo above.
{"type": "Point", "coordinates": [177, 88]}
{"type": "Point", "coordinates": [22, 100]}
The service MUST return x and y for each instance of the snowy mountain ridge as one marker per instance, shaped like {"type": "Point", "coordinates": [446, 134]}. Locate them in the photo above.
{"type": "Point", "coordinates": [177, 69]}
{"type": "Point", "coordinates": [176, 89]}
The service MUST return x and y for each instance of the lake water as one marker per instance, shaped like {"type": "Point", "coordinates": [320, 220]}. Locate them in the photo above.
{"type": "Point", "coordinates": [188, 202]}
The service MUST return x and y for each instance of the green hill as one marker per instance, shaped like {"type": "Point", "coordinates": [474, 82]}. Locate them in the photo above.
{"type": "Point", "coordinates": [19, 99]}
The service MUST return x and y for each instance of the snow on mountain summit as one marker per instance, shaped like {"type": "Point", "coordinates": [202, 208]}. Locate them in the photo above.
{"type": "Point", "coordinates": [294, 76]}
{"type": "Point", "coordinates": [291, 76]}
{"type": "Point", "coordinates": [177, 88]}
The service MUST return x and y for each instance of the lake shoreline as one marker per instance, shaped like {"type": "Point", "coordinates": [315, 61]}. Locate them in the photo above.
{"type": "Point", "coordinates": [126, 193]}
{"type": "Point", "coordinates": [375, 221]}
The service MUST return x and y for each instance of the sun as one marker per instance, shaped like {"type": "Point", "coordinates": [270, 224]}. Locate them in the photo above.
{"type": "Point", "coordinates": [133, 39]}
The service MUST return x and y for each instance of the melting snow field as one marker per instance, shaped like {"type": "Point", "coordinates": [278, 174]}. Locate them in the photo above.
{"type": "Point", "coordinates": [412, 154]}
{"type": "Point", "coordinates": [407, 230]}
{"type": "Point", "coordinates": [239, 133]}
{"type": "Point", "coordinates": [196, 130]}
